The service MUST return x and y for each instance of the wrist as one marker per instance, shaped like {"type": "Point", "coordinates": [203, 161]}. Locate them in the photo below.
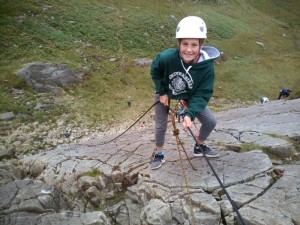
{"type": "Point", "coordinates": [188, 117]}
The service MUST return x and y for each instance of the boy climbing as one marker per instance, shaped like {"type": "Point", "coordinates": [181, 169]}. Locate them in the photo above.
{"type": "Point", "coordinates": [186, 72]}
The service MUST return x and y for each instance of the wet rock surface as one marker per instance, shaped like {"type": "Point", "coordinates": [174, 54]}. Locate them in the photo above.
{"type": "Point", "coordinates": [86, 180]}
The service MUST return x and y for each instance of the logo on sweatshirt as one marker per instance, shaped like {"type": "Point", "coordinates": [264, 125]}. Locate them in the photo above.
{"type": "Point", "coordinates": [179, 82]}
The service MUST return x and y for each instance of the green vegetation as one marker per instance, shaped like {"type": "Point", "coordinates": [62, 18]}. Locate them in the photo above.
{"type": "Point", "coordinates": [90, 33]}
{"type": "Point", "coordinates": [246, 147]}
{"type": "Point", "coordinates": [93, 172]}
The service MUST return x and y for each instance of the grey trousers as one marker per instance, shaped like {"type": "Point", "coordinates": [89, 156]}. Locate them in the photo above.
{"type": "Point", "coordinates": [206, 118]}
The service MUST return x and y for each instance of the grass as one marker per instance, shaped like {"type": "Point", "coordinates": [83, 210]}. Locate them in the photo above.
{"type": "Point", "coordinates": [90, 33]}
{"type": "Point", "coordinates": [93, 172]}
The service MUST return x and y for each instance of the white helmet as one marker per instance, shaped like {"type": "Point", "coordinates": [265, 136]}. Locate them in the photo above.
{"type": "Point", "coordinates": [264, 100]}
{"type": "Point", "coordinates": [191, 27]}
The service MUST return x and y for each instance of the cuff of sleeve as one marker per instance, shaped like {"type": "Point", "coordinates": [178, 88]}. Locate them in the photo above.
{"type": "Point", "coordinates": [190, 115]}
{"type": "Point", "coordinates": [161, 93]}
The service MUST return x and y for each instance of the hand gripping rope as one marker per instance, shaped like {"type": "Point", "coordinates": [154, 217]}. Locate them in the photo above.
{"type": "Point", "coordinates": [178, 141]}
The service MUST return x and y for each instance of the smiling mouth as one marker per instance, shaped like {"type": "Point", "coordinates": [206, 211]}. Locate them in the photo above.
{"type": "Point", "coordinates": [189, 55]}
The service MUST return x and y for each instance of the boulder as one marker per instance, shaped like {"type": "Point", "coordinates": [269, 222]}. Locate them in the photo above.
{"type": "Point", "coordinates": [49, 77]}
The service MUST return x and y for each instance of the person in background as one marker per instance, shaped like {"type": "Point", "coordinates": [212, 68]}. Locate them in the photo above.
{"type": "Point", "coordinates": [264, 100]}
{"type": "Point", "coordinates": [129, 101]}
{"type": "Point", "coordinates": [186, 72]}
{"type": "Point", "coordinates": [285, 92]}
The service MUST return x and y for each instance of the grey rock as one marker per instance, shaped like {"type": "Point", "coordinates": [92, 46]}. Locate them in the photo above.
{"type": "Point", "coordinates": [279, 117]}
{"type": "Point", "coordinates": [205, 208]}
{"type": "Point", "coordinates": [143, 61]}
{"type": "Point", "coordinates": [49, 77]}
{"type": "Point", "coordinates": [156, 213]}
{"type": "Point", "coordinates": [276, 146]}
{"type": "Point", "coordinates": [226, 207]}
{"type": "Point", "coordinates": [185, 195]}
{"type": "Point", "coordinates": [94, 195]}
{"type": "Point", "coordinates": [86, 182]}
{"type": "Point", "coordinates": [126, 212]}
{"type": "Point", "coordinates": [247, 192]}
{"type": "Point", "coordinates": [9, 172]}
{"type": "Point", "coordinates": [45, 106]}
{"type": "Point", "coordinates": [30, 196]}
{"type": "Point", "coordinates": [261, 44]}
{"type": "Point", "coordinates": [134, 212]}
{"type": "Point", "coordinates": [23, 116]}
{"type": "Point", "coordinates": [74, 218]}
{"type": "Point", "coordinates": [119, 212]}
{"type": "Point", "coordinates": [5, 130]}
{"type": "Point", "coordinates": [6, 152]}
{"type": "Point", "coordinates": [280, 204]}
{"type": "Point", "coordinates": [94, 218]}
{"type": "Point", "coordinates": [271, 126]}
{"type": "Point", "coordinates": [7, 116]}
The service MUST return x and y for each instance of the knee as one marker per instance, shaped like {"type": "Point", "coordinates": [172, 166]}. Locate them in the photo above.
{"type": "Point", "coordinates": [209, 124]}
{"type": "Point", "coordinates": [161, 125]}
{"type": "Point", "coordinates": [213, 123]}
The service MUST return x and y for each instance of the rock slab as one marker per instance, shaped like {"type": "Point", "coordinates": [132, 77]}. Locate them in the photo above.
{"type": "Point", "coordinates": [85, 177]}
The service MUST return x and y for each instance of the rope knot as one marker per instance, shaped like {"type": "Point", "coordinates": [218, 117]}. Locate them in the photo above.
{"type": "Point", "coordinates": [176, 132]}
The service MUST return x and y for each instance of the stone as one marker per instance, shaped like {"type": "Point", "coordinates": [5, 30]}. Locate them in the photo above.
{"type": "Point", "coordinates": [156, 212]}
{"type": "Point", "coordinates": [280, 204]}
{"type": "Point", "coordinates": [49, 77]}
{"type": "Point", "coordinates": [30, 196]}
{"type": "Point", "coordinates": [7, 116]}
{"type": "Point", "coordinates": [184, 194]}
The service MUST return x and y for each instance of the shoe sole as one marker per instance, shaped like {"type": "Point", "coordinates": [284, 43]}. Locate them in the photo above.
{"type": "Point", "coordinates": [208, 156]}
{"type": "Point", "coordinates": [154, 168]}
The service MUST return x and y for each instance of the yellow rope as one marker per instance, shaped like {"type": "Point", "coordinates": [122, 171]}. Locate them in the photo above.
{"type": "Point", "coordinates": [176, 134]}
{"type": "Point", "coordinates": [178, 142]}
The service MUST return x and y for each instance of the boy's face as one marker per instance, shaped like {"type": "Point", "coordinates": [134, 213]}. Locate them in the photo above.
{"type": "Point", "coordinates": [189, 48]}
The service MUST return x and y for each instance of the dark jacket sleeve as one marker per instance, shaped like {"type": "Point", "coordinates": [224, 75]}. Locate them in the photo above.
{"type": "Point", "coordinates": [202, 94]}
{"type": "Point", "coordinates": [157, 73]}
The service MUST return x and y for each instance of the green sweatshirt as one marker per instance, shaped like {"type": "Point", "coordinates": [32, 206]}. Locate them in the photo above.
{"type": "Point", "coordinates": [179, 80]}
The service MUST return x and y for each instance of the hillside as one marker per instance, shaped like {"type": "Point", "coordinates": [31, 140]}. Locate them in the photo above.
{"type": "Point", "coordinates": [260, 39]}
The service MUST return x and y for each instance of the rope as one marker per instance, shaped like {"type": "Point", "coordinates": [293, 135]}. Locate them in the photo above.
{"type": "Point", "coordinates": [178, 142]}
{"type": "Point", "coordinates": [221, 184]}
{"type": "Point", "coordinates": [126, 129]}
{"type": "Point", "coordinates": [176, 133]}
